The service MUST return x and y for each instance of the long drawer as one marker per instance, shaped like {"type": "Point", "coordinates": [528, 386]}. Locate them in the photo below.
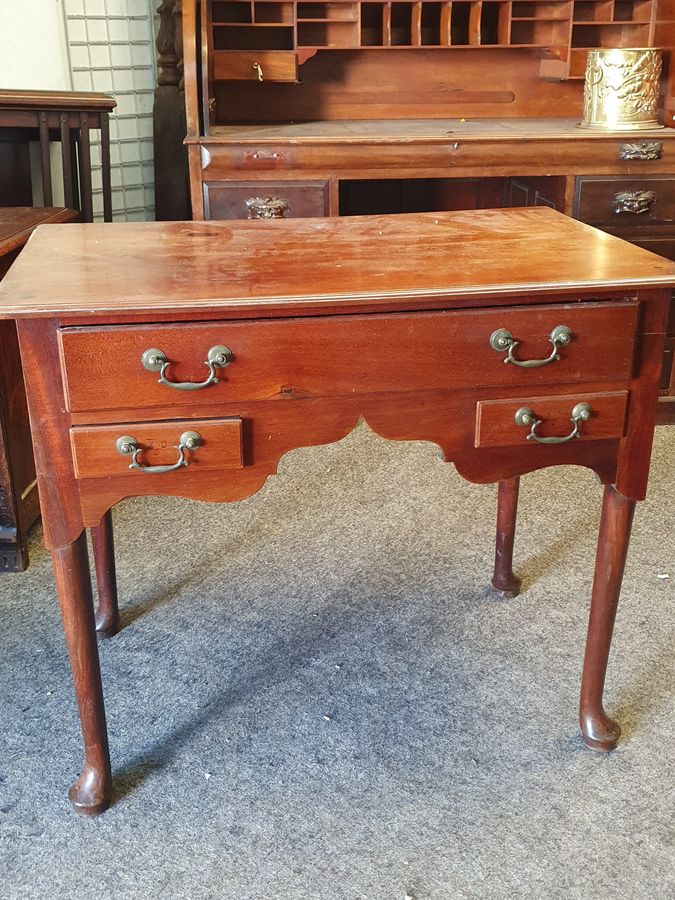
{"type": "Point", "coordinates": [144, 367]}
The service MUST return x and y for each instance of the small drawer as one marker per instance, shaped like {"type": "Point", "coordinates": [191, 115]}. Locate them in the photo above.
{"type": "Point", "coordinates": [121, 368]}
{"type": "Point", "coordinates": [556, 420]}
{"type": "Point", "coordinates": [255, 65]}
{"type": "Point", "coordinates": [626, 202]}
{"type": "Point", "coordinates": [265, 199]}
{"type": "Point", "coordinates": [180, 447]}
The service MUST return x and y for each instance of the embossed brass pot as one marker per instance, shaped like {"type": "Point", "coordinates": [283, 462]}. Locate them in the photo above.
{"type": "Point", "coordinates": [621, 91]}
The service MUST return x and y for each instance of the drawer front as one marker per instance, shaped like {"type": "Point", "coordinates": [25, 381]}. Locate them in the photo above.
{"type": "Point", "coordinates": [265, 199]}
{"type": "Point", "coordinates": [517, 422]}
{"type": "Point", "coordinates": [626, 202]}
{"type": "Point", "coordinates": [255, 65]}
{"type": "Point", "coordinates": [108, 450]}
{"type": "Point", "coordinates": [427, 158]}
{"type": "Point", "coordinates": [342, 355]}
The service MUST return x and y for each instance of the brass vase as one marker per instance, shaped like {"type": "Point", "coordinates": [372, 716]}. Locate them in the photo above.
{"type": "Point", "coordinates": [621, 90]}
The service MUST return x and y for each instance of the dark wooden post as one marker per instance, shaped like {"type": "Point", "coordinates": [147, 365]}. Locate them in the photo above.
{"type": "Point", "coordinates": [503, 579]}
{"type": "Point", "coordinates": [103, 545]}
{"type": "Point", "coordinates": [172, 191]}
{"type": "Point", "coordinates": [599, 731]}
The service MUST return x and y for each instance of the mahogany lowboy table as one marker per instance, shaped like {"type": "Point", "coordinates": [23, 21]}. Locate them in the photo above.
{"type": "Point", "coordinates": [186, 358]}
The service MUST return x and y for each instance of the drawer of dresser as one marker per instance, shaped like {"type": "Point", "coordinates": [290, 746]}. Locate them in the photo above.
{"type": "Point", "coordinates": [525, 420]}
{"type": "Point", "coordinates": [626, 202]}
{"type": "Point", "coordinates": [265, 199]}
{"type": "Point", "coordinates": [343, 355]}
{"type": "Point", "coordinates": [255, 65]}
{"type": "Point", "coordinates": [101, 451]}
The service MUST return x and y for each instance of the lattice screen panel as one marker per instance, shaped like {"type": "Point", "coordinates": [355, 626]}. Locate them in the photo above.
{"type": "Point", "coordinates": [111, 46]}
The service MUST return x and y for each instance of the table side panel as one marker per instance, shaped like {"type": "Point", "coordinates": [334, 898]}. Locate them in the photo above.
{"type": "Point", "coordinates": [50, 423]}
{"type": "Point", "coordinates": [635, 448]}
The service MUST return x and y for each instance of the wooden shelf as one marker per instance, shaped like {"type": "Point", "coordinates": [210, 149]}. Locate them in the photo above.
{"type": "Point", "coordinates": [561, 27]}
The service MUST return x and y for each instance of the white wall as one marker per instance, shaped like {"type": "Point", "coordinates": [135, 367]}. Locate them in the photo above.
{"type": "Point", "coordinates": [33, 46]}
{"type": "Point", "coordinates": [85, 45]}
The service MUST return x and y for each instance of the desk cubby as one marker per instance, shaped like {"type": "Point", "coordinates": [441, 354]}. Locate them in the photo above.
{"type": "Point", "coordinates": [563, 30]}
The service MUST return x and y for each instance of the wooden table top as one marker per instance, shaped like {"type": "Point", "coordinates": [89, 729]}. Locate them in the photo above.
{"type": "Point", "coordinates": [17, 223]}
{"type": "Point", "coordinates": [84, 100]}
{"type": "Point", "coordinates": [291, 266]}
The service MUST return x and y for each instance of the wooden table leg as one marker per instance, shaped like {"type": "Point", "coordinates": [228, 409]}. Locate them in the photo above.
{"type": "Point", "coordinates": [503, 579]}
{"type": "Point", "coordinates": [107, 614]}
{"type": "Point", "coordinates": [599, 731]}
{"type": "Point", "coordinates": [90, 794]}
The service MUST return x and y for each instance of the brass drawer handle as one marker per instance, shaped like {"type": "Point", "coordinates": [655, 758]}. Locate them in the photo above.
{"type": "Point", "coordinates": [155, 361]}
{"type": "Point", "coordinates": [266, 208]}
{"type": "Point", "coordinates": [525, 417]}
{"type": "Point", "coordinates": [501, 340]}
{"type": "Point", "coordinates": [633, 202]}
{"type": "Point", "coordinates": [641, 150]}
{"type": "Point", "coordinates": [128, 446]}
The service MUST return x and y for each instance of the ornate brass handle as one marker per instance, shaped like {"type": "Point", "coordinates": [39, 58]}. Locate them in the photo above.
{"type": "Point", "coordinates": [257, 68]}
{"type": "Point", "coordinates": [267, 208]}
{"type": "Point", "coordinates": [501, 340]}
{"type": "Point", "coordinates": [633, 202]}
{"type": "Point", "coordinates": [155, 360]}
{"type": "Point", "coordinates": [525, 417]}
{"type": "Point", "coordinates": [641, 150]}
{"type": "Point", "coordinates": [128, 446]}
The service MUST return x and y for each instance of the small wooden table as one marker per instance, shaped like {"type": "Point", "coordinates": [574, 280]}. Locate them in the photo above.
{"type": "Point", "coordinates": [47, 116]}
{"type": "Point", "coordinates": [185, 359]}
{"type": "Point", "coordinates": [19, 506]}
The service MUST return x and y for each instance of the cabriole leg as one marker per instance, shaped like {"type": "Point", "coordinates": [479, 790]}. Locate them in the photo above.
{"type": "Point", "coordinates": [107, 614]}
{"type": "Point", "coordinates": [90, 794]}
{"type": "Point", "coordinates": [503, 579]}
{"type": "Point", "coordinates": [599, 731]}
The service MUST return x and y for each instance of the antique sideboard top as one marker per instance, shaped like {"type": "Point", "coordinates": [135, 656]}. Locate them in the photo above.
{"type": "Point", "coordinates": [253, 268]}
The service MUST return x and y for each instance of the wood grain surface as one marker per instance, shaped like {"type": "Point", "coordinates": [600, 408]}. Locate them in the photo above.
{"type": "Point", "coordinates": [280, 267]}
{"type": "Point", "coordinates": [329, 356]}
{"type": "Point", "coordinates": [496, 425]}
{"type": "Point", "coordinates": [17, 223]}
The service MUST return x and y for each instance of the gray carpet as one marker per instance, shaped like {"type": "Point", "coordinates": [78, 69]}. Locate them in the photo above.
{"type": "Point", "coordinates": [315, 696]}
